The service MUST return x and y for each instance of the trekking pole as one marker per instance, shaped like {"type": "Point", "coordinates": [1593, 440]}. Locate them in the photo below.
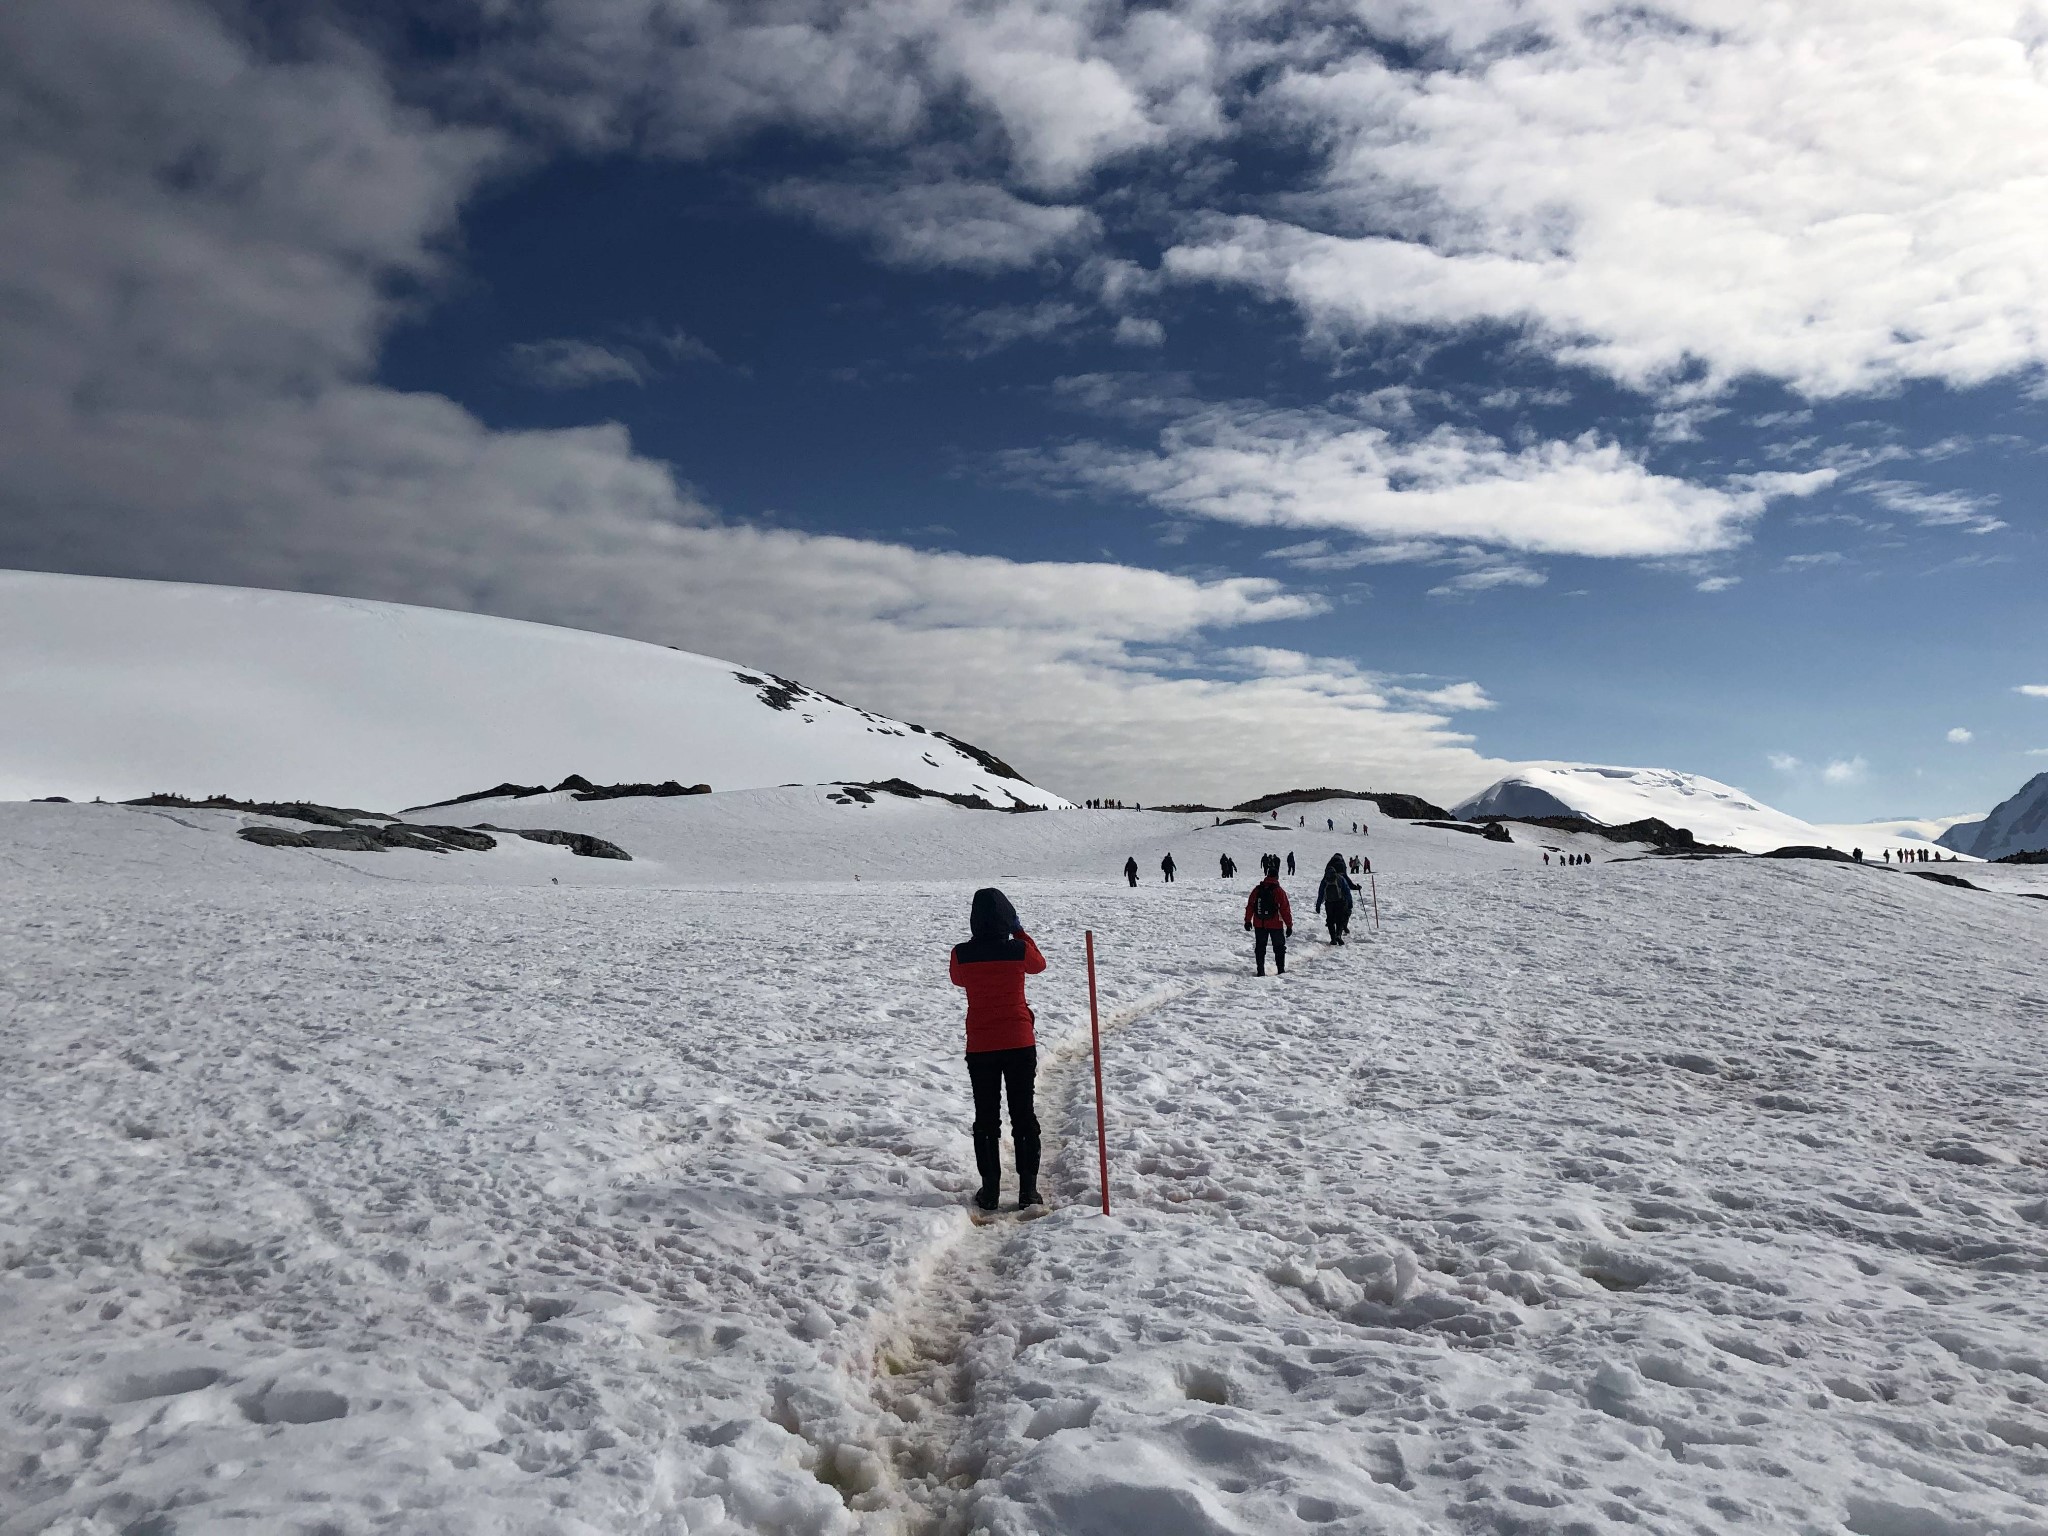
{"type": "Point", "coordinates": [1095, 1034]}
{"type": "Point", "coordinates": [1375, 879]}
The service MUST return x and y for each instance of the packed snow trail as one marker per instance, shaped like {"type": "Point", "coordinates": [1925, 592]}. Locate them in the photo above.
{"type": "Point", "coordinates": [1650, 1196]}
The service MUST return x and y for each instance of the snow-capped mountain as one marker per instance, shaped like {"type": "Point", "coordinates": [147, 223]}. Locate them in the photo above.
{"type": "Point", "coordinates": [2016, 825]}
{"type": "Point", "coordinates": [121, 688]}
{"type": "Point", "coordinates": [1712, 811]}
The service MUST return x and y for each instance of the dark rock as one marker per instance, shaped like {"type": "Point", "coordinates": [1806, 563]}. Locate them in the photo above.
{"type": "Point", "coordinates": [54, 800]}
{"type": "Point", "coordinates": [583, 789]}
{"type": "Point", "coordinates": [1943, 879]}
{"type": "Point", "coordinates": [501, 792]}
{"type": "Point", "coordinates": [1806, 851]}
{"type": "Point", "coordinates": [580, 843]}
{"type": "Point", "coordinates": [987, 760]}
{"type": "Point", "coordinates": [1660, 835]}
{"type": "Point", "coordinates": [2030, 856]}
{"type": "Point", "coordinates": [1400, 807]}
{"type": "Point", "coordinates": [369, 839]}
{"type": "Point", "coordinates": [906, 790]}
{"type": "Point", "coordinates": [1454, 826]}
{"type": "Point", "coordinates": [288, 810]}
{"type": "Point", "coordinates": [457, 837]}
{"type": "Point", "coordinates": [855, 792]}
{"type": "Point", "coordinates": [1497, 832]}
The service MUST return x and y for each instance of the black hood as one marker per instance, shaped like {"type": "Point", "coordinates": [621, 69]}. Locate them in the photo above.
{"type": "Point", "coordinates": [994, 924]}
{"type": "Point", "coordinates": [991, 918]}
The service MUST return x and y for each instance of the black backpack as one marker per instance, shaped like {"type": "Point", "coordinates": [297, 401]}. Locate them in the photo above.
{"type": "Point", "coordinates": [1265, 905]}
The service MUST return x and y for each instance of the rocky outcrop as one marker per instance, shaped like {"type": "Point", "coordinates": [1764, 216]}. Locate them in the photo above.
{"type": "Point", "coordinates": [576, 787]}
{"type": "Point", "coordinates": [374, 839]}
{"type": "Point", "coordinates": [1808, 851]}
{"type": "Point", "coordinates": [2018, 824]}
{"type": "Point", "coordinates": [582, 844]}
{"type": "Point", "coordinates": [285, 810]}
{"type": "Point", "coordinates": [1400, 807]}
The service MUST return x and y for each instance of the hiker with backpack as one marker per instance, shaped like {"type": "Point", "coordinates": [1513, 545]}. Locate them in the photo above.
{"type": "Point", "coordinates": [1224, 864]}
{"type": "Point", "coordinates": [1002, 1049]}
{"type": "Point", "coordinates": [1131, 870]}
{"type": "Point", "coordinates": [1269, 919]}
{"type": "Point", "coordinates": [1333, 897]}
{"type": "Point", "coordinates": [1166, 868]}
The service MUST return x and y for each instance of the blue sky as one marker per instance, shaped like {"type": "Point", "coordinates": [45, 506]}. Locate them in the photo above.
{"type": "Point", "coordinates": [1184, 400]}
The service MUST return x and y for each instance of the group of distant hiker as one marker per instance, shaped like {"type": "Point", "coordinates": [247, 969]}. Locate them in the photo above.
{"type": "Point", "coordinates": [1915, 856]}
{"type": "Point", "coordinates": [1002, 1044]}
{"type": "Point", "coordinates": [1570, 858]}
{"type": "Point", "coordinates": [1111, 805]}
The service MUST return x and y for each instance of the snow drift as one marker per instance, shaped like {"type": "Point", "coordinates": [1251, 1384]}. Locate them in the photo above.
{"type": "Point", "coordinates": [122, 688]}
{"type": "Point", "coordinates": [2015, 825]}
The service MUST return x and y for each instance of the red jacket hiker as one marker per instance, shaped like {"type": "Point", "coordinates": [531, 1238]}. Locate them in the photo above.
{"type": "Point", "coordinates": [998, 1018]}
{"type": "Point", "coordinates": [1283, 914]}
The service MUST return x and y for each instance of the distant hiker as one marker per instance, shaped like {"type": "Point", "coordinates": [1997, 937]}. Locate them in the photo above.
{"type": "Point", "coordinates": [1223, 863]}
{"type": "Point", "coordinates": [1166, 868]}
{"type": "Point", "coordinates": [1333, 897]}
{"type": "Point", "coordinates": [1002, 1050]}
{"type": "Point", "coordinates": [1270, 920]}
{"type": "Point", "coordinates": [1354, 864]}
{"type": "Point", "coordinates": [1330, 822]}
{"type": "Point", "coordinates": [1131, 870]}
{"type": "Point", "coordinates": [1856, 854]}
{"type": "Point", "coordinates": [1546, 860]}
{"type": "Point", "coordinates": [1290, 861]}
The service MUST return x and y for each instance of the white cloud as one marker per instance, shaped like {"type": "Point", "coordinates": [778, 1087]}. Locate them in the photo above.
{"type": "Point", "coordinates": [1002, 325]}
{"type": "Point", "coordinates": [200, 248]}
{"type": "Point", "coordinates": [1785, 762]}
{"type": "Point", "coordinates": [1716, 583]}
{"type": "Point", "coordinates": [2037, 752]}
{"type": "Point", "coordinates": [1457, 697]}
{"type": "Point", "coordinates": [1849, 770]}
{"type": "Point", "coordinates": [966, 224]}
{"type": "Point", "coordinates": [565, 363]}
{"type": "Point", "coordinates": [1934, 509]}
{"type": "Point", "coordinates": [1322, 469]}
{"type": "Point", "coordinates": [1960, 736]}
{"type": "Point", "coordinates": [2034, 690]}
{"type": "Point", "coordinates": [1488, 577]}
{"type": "Point", "coordinates": [1842, 194]}
{"type": "Point", "coordinates": [1135, 331]}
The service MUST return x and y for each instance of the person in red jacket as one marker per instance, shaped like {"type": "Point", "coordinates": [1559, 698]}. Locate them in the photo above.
{"type": "Point", "coordinates": [1270, 920]}
{"type": "Point", "coordinates": [1002, 1050]}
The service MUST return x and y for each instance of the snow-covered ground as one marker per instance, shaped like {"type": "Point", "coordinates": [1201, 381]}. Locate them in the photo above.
{"type": "Point", "coordinates": [412, 1192]}
{"type": "Point", "coordinates": [126, 688]}
{"type": "Point", "coordinates": [1714, 812]}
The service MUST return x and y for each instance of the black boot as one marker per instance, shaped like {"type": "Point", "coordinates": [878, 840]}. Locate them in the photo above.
{"type": "Point", "coordinates": [988, 1159]}
{"type": "Point", "coordinates": [1025, 1145]}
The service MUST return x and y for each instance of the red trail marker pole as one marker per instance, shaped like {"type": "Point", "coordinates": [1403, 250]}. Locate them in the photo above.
{"type": "Point", "coordinates": [1095, 1034]}
{"type": "Point", "coordinates": [1375, 879]}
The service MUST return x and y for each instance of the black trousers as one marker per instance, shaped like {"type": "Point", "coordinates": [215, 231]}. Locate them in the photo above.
{"type": "Point", "coordinates": [991, 1072]}
{"type": "Point", "coordinates": [1278, 938]}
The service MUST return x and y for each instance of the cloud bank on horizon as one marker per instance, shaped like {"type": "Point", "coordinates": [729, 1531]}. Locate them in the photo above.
{"type": "Point", "coordinates": [1501, 294]}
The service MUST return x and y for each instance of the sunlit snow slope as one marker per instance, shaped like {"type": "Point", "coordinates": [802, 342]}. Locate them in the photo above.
{"type": "Point", "coordinates": [122, 688]}
{"type": "Point", "coordinates": [1715, 812]}
{"type": "Point", "coordinates": [2015, 825]}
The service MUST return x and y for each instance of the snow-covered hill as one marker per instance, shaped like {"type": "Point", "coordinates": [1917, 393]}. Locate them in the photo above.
{"type": "Point", "coordinates": [1714, 812]}
{"type": "Point", "coordinates": [2015, 825]}
{"type": "Point", "coordinates": [123, 688]}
